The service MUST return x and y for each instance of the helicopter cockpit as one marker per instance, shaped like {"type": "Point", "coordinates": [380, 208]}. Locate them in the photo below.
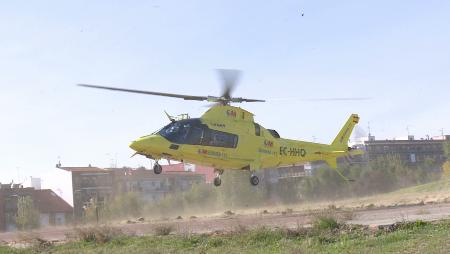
{"type": "Point", "coordinates": [193, 132]}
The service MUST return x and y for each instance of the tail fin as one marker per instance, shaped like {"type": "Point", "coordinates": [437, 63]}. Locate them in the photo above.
{"type": "Point", "coordinates": [341, 140]}
{"type": "Point", "coordinates": [340, 145]}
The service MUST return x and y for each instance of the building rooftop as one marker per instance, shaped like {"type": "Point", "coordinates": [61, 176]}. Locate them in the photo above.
{"type": "Point", "coordinates": [80, 169]}
{"type": "Point", "coordinates": [46, 200]}
{"type": "Point", "coordinates": [172, 169]}
{"type": "Point", "coordinates": [404, 141]}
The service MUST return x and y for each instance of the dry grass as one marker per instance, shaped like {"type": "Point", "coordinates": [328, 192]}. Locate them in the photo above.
{"type": "Point", "coordinates": [229, 213]}
{"type": "Point", "coordinates": [340, 215]}
{"type": "Point", "coordinates": [347, 215]}
{"type": "Point", "coordinates": [423, 211]}
{"type": "Point", "coordinates": [370, 206]}
{"type": "Point", "coordinates": [97, 234]}
{"type": "Point", "coordinates": [164, 229]}
{"type": "Point", "coordinates": [33, 240]}
{"type": "Point", "coordinates": [239, 229]}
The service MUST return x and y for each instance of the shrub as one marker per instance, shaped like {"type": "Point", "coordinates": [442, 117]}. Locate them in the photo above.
{"type": "Point", "coordinates": [325, 222]}
{"type": "Point", "coordinates": [33, 240]}
{"type": "Point", "coordinates": [295, 233]}
{"type": "Point", "coordinates": [100, 234]}
{"type": "Point", "coordinates": [163, 229]}
{"type": "Point", "coordinates": [413, 224]}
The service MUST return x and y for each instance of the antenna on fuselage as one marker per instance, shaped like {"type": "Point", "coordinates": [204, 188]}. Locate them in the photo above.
{"type": "Point", "coordinates": [169, 116]}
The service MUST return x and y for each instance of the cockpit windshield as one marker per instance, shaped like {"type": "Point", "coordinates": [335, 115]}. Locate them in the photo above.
{"type": "Point", "coordinates": [183, 132]}
{"type": "Point", "coordinates": [193, 132]}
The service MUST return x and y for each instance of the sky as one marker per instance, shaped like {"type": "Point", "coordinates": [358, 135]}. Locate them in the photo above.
{"type": "Point", "coordinates": [395, 52]}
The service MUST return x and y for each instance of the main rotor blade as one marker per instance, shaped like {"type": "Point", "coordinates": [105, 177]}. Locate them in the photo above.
{"type": "Point", "coordinates": [253, 100]}
{"type": "Point", "coordinates": [323, 99]}
{"type": "Point", "coordinates": [229, 79]}
{"type": "Point", "coordinates": [246, 100]}
{"type": "Point", "coordinates": [338, 99]}
{"type": "Point", "coordinates": [185, 97]}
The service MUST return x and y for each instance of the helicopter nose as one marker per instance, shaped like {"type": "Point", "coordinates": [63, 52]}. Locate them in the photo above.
{"type": "Point", "coordinates": [148, 144]}
{"type": "Point", "coordinates": [139, 144]}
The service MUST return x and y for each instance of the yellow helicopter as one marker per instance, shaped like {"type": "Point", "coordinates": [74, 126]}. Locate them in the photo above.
{"type": "Point", "coordinates": [227, 137]}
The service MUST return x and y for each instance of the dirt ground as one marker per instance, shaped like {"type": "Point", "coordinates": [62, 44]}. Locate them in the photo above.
{"type": "Point", "coordinates": [289, 218]}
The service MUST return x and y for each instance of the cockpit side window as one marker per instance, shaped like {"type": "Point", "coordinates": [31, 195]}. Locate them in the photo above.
{"type": "Point", "coordinates": [274, 133]}
{"type": "Point", "coordinates": [194, 135]}
{"type": "Point", "coordinates": [193, 132]}
{"type": "Point", "coordinates": [219, 139]}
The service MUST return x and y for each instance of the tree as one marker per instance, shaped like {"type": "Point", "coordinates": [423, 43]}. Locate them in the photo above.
{"type": "Point", "coordinates": [446, 170]}
{"type": "Point", "coordinates": [126, 204]}
{"type": "Point", "coordinates": [446, 166]}
{"type": "Point", "coordinates": [446, 147]}
{"type": "Point", "coordinates": [27, 214]}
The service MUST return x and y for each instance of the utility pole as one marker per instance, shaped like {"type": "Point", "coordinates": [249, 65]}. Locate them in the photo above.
{"type": "Point", "coordinates": [96, 209]}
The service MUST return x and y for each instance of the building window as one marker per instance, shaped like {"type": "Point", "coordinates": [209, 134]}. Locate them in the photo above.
{"type": "Point", "coordinates": [412, 158]}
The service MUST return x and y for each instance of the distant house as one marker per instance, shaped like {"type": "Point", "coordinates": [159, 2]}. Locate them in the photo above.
{"type": "Point", "coordinates": [412, 152]}
{"type": "Point", "coordinates": [93, 183]}
{"type": "Point", "coordinates": [53, 210]}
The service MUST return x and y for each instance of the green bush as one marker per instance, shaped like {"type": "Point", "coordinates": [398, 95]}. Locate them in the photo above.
{"type": "Point", "coordinates": [413, 225]}
{"type": "Point", "coordinates": [99, 234]}
{"type": "Point", "coordinates": [325, 222]}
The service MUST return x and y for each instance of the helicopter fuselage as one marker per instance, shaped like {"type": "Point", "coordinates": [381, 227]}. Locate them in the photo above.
{"type": "Point", "coordinates": [226, 137]}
